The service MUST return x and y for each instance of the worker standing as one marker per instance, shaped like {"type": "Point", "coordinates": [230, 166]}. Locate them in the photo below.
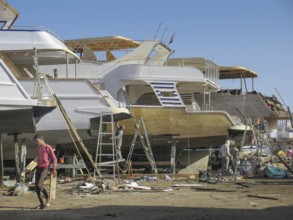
{"type": "Point", "coordinates": [225, 154]}
{"type": "Point", "coordinates": [118, 137]}
{"type": "Point", "coordinates": [45, 156]}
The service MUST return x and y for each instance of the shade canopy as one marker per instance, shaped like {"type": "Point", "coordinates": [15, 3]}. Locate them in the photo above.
{"type": "Point", "coordinates": [236, 72]}
{"type": "Point", "coordinates": [102, 43]}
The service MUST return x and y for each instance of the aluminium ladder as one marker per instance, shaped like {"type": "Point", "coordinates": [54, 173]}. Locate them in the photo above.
{"type": "Point", "coordinates": [106, 153]}
{"type": "Point", "coordinates": [143, 136]}
{"type": "Point", "coordinates": [148, 151]}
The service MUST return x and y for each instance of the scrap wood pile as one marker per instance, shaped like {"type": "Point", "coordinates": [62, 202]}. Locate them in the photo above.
{"type": "Point", "coordinates": [274, 164]}
{"type": "Point", "coordinates": [273, 103]}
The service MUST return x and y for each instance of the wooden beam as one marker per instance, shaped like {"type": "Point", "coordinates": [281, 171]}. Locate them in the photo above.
{"type": "Point", "coordinates": [73, 133]}
{"type": "Point", "coordinates": [53, 183]}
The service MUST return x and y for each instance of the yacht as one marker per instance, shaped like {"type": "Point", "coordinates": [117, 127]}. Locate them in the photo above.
{"type": "Point", "coordinates": [162, 95]}
{"type": "Point", "coordinates": [24, 88]}
{"type": "Point", "coordinates": [246, 98]}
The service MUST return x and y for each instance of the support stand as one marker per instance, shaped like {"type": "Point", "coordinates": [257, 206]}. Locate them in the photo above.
{"type": "Point", "coordinates": [1, 164]}
{"type": "Point", "coordinates": [173, 157]}
{"type": "Point", "coordinates": [16, 155]}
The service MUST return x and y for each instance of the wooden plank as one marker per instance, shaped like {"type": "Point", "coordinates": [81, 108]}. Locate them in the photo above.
{"type": "Point", "coordinates": [76, 136]}
{"type": "Point", "coordinates": [53, 184]}
{"type": "Point", "coordinates": [1, 164]}
{"type": "Point", "coordinates": [212, 190]}
{"type": "Point", "coordinates": [263, 197]}
{"type": "Point", "coordinates": [160, 176]}
{"type": "Point", "coordinates": [134, 185]}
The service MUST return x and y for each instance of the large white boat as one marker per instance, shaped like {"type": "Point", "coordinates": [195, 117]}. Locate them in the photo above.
{"type": "Point", "coordinates": [175, 100]}
{"type": "Point", "coordinates": [161, 94]}
{"type": "Point", "coordinates": [18, 111]}
{"type": "Point", "coordinates": [22, 51]}
{"type": "Point", "coordinates": [253, 104]}
{"type": "Point", "coordinates": [141, 74]}
{"type": "Point", "coordinates": [184, 93]}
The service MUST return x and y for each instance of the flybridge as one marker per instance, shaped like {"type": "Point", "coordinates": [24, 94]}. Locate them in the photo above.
{"type": "Point", "coordinates": [8, 15]}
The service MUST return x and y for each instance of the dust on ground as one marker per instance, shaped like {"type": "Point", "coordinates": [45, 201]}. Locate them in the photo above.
{"type": "Point", "coordinates": [224, 200]}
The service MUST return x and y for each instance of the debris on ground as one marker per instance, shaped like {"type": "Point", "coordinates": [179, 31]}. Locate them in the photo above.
{"type": "Point", "coordinates": [274, 172]}
{"type": "Point", "coordinates": [242, 184]}
{"type": "Point", "coordinates": [134, 185]}
{"type": "Point", "coordinates": [263, 197]}
{"type": "Point", "coordinates": [189, 185]}
{"type": "Point", "coordinates": [212, 190]}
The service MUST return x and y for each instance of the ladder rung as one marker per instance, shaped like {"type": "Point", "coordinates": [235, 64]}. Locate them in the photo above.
{"type": "Point", "coordinates": [106, 154]}
{"type": "Point", "coordinates": [106, 144]}
{"type": "Point", "coordinates": [110, 163]}
{"type": "Point", "coordinates": [109, 133]}
{"type": "Point", "coordinates": [106, 122]}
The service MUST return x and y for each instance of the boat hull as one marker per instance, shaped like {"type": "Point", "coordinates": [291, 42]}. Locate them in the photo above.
{"type": "Point", "coordinates": [179, 123]}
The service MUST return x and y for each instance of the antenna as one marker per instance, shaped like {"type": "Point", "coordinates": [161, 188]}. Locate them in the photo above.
{"type": "Point", "coordinates": [281, 97]}
{"type": "Point", "coordinates": [171, 39]}
{"type": "Point", "coordinates": [288, 108]}
{"type": "Point", "coordinates": [157, 31]}
{"type": "Point", "coordinates": [164, 34]}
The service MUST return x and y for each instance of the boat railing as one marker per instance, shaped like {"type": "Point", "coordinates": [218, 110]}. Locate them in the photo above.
{"type": "Point", "coordinates": [225, 90]}
{"type": "Point", "coordinates": [207, 107]}
{"type": "Point", "coordinates": [208, 67]}
{"type": "Point", "coordinates": [196, 108]}
{"type": "Point", "coordinates": [192, 108]}
{"type": "Point", "coordinates": [33, 28]}
{"type": "Point", "coordinates": [211, 71]}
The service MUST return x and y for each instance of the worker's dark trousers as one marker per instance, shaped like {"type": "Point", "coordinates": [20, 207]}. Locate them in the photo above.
{"type": "Point", "coordinates": [41, 174]}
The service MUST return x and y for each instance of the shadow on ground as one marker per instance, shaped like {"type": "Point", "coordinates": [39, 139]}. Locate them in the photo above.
{"type": "Point", "coordinates": [148, 212]}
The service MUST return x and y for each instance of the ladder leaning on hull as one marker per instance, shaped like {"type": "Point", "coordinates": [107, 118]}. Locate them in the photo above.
{"type": "Point", "coordinates": [147, 151]}
{"type": "Point", "coordinates": [106, 144]}
{"type": "Point", "coordinates": [146, 146]}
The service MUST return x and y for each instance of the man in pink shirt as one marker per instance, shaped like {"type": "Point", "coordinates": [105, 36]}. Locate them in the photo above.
{"type": "Point", "coordinates": [290, 156]}
{"type": "Point", "coordinates": [45, 156]}
{"type": "Point", "coordinates": [290, 153]}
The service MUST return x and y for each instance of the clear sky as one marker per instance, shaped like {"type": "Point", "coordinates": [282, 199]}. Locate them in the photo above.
{"type": "Point", "coordinates": [256, 34]}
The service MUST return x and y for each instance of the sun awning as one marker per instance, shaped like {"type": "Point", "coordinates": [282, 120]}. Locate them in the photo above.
{"type": "Point", "coordinates": [236, 72]}
{"type": "Point", "coordinates": [102, 43]}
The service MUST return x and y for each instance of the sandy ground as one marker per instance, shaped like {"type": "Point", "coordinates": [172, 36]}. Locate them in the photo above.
{"type": "Point", "coordinates": [181, 203]}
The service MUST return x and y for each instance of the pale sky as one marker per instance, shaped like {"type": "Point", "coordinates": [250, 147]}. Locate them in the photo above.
{"type": "Point", "coordinates": [256, 34]}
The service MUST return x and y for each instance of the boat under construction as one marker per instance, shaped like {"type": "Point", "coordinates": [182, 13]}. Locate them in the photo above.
{"type": "Point", "coordinates": [183, 108]}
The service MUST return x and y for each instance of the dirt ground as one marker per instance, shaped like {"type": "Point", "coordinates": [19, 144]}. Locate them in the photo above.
{"type": "Point", "coordinates": [226, 200]}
